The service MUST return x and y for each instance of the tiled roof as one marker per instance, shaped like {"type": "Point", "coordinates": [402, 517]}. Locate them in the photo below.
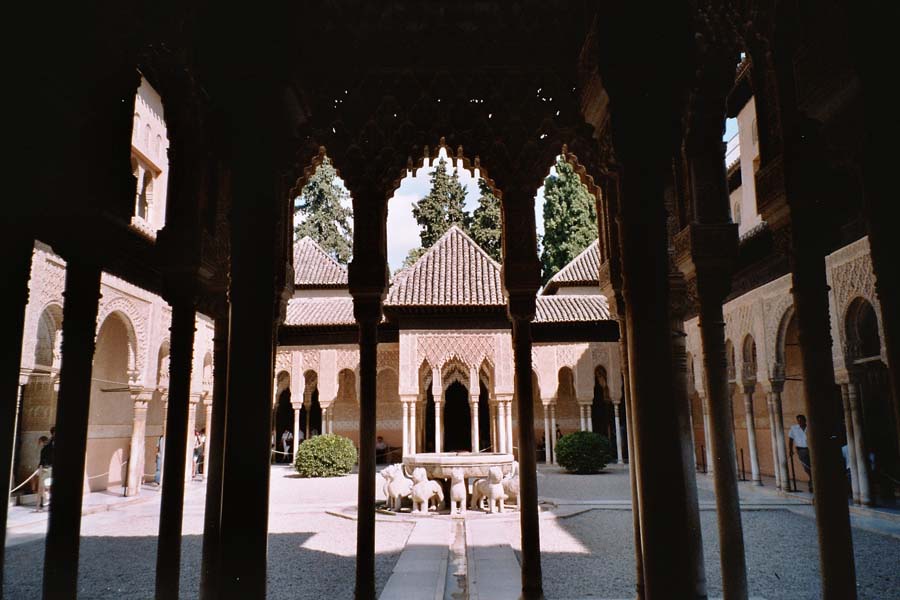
{"type": "Point", "coordinates": [571, 309]}
{"type": "Point", "coordinates": [314, 268]}
{"type": "Point", "coordinates": [583, 270]}
{"type": "Point", "coordinates": [319, 312]}
{"type": "Point", "coordinates": [455, 271]}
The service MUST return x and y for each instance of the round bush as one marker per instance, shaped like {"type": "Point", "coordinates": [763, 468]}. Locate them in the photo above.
{"type": "Point", "coordinates": [583, 452]}
{"type": "Point", "coordinates": [326, 455]}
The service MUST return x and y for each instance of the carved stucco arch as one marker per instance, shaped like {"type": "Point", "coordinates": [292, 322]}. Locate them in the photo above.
{"type": "Point", "coordinates": [136, 328]}
{"type": "Point", "coordinates": [50, 314]}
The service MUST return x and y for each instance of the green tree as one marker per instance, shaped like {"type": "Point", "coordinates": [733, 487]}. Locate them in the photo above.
{"type": "Point", "coordinates": [321, 214]}
{"type": "Point", "coordinates": [570, 219]}
{"type": "Point", "coordinates": [486, 226]}
{"type": "Point", "coordinates": [444, 206]}
{"type": "Point", "coordinates": [414, 255]}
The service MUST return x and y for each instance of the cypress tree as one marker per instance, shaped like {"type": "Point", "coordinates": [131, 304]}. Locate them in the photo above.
{"type": "Point", "coordinates": [570, 219]}
{"type": "Point", "coordinates": [320, 213]}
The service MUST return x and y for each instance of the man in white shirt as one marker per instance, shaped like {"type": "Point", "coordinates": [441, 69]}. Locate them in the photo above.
{"type": "Point", "coordinates": [797, 438]}
{"type": "Point", "coordinates": [287, 439]}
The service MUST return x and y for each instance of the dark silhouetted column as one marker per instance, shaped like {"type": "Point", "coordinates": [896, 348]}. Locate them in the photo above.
{"type": "Point", "coordinates": [16, 270]}
{"type": "Point", "coordinates": [73, 407]}
{"type": "Point", "coordinates": [171, 510]}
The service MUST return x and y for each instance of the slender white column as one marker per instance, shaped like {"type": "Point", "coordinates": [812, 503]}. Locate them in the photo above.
{"type": "Point", "coordinates": [138, 443]}
{"type": "Point", "coordinates": [324, 420]}
{"type": "Point", "coordinates": [509, 427]}
{"type": "Point", "coordinates": [501, 425]}
{"type": "Point", "coordinates": [548, 456]}
{"type": "Point", "coordinates": [192, 424]}
{"type": "Point", "coordinates": [206, 444]}
{"type": "Point", "coordinates": [781, 444]}
{"type": "Point", "coordinates": [619, 459]}
{"type": "Point", "coordinates": [438, 429]}
{"type": "Point", "coordinates": [770, 405]}
{"type": "Point", "coordinates": [851, 443]}
{"type": "Point", "coordinates": [405, 406]}
{"type": "Point", "coordinates": [296, 405]}
{"type": "Point", "coordinates": [589, 416]}
{"type": "Point", "coordinates": [751, 433]}
{"type": "Point", "coordinates": [492, 417]}
{"type": "Point", "coordinates": [413, 430]}
{"type": "Point", "coordinates": [707, 433]}
{"type": "Point", "coordinates": [476, 443]}
{"type": "Point", "coordinates": [862, 464]}
{"type": "Point", "coordinates": [581, 417]}
{"type": "Point", "coordinates": [553, 432]}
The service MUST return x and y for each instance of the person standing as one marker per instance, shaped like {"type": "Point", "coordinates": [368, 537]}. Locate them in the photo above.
{"type": "Point", "coordinates": [797, 438]}
{"type": "Point", "coordinates": [45, 466]}
{"type": "Point", "coordinates": [286, 440]}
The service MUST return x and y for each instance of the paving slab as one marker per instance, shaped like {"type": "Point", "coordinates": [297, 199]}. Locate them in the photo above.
{"type": "Point", "coordinates": [422, 568]}
{"type": "Point", "coordinates": [494, 572]}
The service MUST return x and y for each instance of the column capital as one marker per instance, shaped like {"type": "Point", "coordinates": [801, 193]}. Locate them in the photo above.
{"type": "Point", "coordinates": [194, 398]}
{"type": "Point", "coordinates": [296, 405]}
{"type": "Point", "coordinates": [409, 398]}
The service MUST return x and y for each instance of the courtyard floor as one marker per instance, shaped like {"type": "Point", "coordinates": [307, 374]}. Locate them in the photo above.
{"type": "Point", "coordinates": [586, 541]}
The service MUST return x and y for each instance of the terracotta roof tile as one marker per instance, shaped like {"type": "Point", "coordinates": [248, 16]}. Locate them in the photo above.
{"type": "Point", "coordinates": [583, 270]}
{"type": "Point", "coordinates": [571, 309]}
{"type": "Point", "coordinates": [314, 268]}
{"type": "Point", "coordinates": [455, 271]}
{"type": "Point", "coordinates": [319, 312]}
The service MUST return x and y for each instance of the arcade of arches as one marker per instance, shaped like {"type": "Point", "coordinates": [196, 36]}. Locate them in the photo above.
{"type": "Point", "coordinates": [731, 286]}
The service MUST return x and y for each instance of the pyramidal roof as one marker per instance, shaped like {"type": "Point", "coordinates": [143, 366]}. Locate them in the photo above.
{"type": "Point", "coordinates": [314, 268]}
{"type": "Point", "coordinates": [455, 271]}
{"type": "Point", "coordinates": [583, 270]}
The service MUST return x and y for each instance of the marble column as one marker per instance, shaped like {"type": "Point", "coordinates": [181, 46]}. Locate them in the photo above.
{"type": "Point", "coordinates": [473, 409]}
{"type": "Point", "coordinates": [751, 432]}
{"type": "Point", "coordinates": [405, 424]}
{"type": "Point", "coordinates": [15, 270]}
{"type": "Point", "coordinates": [548, 434]}
{"type": "Point", "coordinates": [215, 444]}
{"type": "Point", "coordinates": [324, 420]}
{"type": "Point", "coordinates": [177, 460]}
{"type": "Point", "coordinates": [140, 400]}
{"type": "Point", "coordinates": [780, 443]}
{"type": "Point", "coordinates": [618, 434]}
{"type": "Point", "coordinates": [581, 424]}
{"type": "Point", "coordinates": [553, 432]}
{"type": "Point", "coordinates": [82, 294]}
{"type": "Point", "coordinates": [589, 417]}
{"type": "Point", "coordinates": [492, 411]}
{"type": "Point", "coordinates": [501, 425]}
{"type": "Point", "coordinates": [770, 406]}
{"type": "Point", "coordinates": [413, 428]}
{"type": "Point", "coordinates": [296, 406]}
{"type": "Point", "coordinates": [189, 447]}
{"type": "Point", "coordinates": [437, 392]}
{"type": "Point", "coordinates": [852, 464]}
{"type": "Point", "coordinates": [859, 438]}
{"type": "Point", "coordinates": [509, 427]}
{"type": "Point", "coordinates": [707, 433]}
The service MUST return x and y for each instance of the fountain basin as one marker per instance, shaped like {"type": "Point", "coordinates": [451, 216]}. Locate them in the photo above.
{"type": "Point", "coordinates": [474, 464]}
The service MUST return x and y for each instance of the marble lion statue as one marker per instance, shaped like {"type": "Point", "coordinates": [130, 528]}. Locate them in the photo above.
{"type": "Point", "coordinates": [457, 491]}
{"type": "Point", "coordinates": [397, 486]}
{"type": "Point", "coordinates": [490, 489]}
{"type": "Point", "coordinates": [425, 490]}
{"type": "Point", "coordinates": [511, 484]}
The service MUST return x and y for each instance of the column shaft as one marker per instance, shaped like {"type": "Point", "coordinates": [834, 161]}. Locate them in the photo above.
{"type": "Point", "coordinates": [15, 272]}
{"type": "Point", "coordinates": [859, 437]}
{"type": "Point", "coordinates": [438, 429]}
{"type": "Point", "coordinates": [215, 442]}
{"type": "Point", "coordinates": [501, 425]}
{"type": "Point", "coordinates": [553, 432]}
{"type": "Point", "coordinates": [405, 408]}
{"type": "Point", "coordinates": [413, 429]}
{"type": "Point", "coordinates": [751, 435]}
{"type": "Point", "coordinates": [296, 431]}
{"type": "Point", "coordinates": [532, 580]}
{"type": "Point", "coordinates": [851, 443]}
{"type": "Point", "coordinates": [190, 439]}
{"type": "Point", "coordinates": [138, 445]}
{"type": "Point", "coordinates": [731, 536]}
{"type": "Point", "coordinates": [509, 429]}
{"type": "Point", "coordinates": [618, 426]}
{"type": "Point", "coordinates": [476, 443]}
{"type": "Point", "coordinates": [548, 433]}
{"type": "Point", "coordinates": [770, 406]}
{"type": "Point", "coordinates": [780, 440]}
{"type": "Point", "coordinates": [582, 426]}
{"type": "Point", "coordinates": [82, 294]}
{"type": "Point", "coordinates": [589, 417]}
{"type": "Point", "coordinates": [707, 434]}
{"type": "Point", "coordinates": [207, 409]}
{"type": "Point", "coordinates": [365, 525]}
{"type": "Point", "coordinates": [168, 550]}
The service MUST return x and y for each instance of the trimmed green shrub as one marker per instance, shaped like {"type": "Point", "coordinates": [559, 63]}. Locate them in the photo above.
{"type": "Point", "coordinates": [583, 452]}
{"type": "Point", "coordinates": [326, 455]}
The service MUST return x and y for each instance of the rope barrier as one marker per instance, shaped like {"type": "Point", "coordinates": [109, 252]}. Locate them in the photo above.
{"type": "Point", "coordinates": [21, 485]}
{"type": "Point", "coordinates": [107, 473]}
